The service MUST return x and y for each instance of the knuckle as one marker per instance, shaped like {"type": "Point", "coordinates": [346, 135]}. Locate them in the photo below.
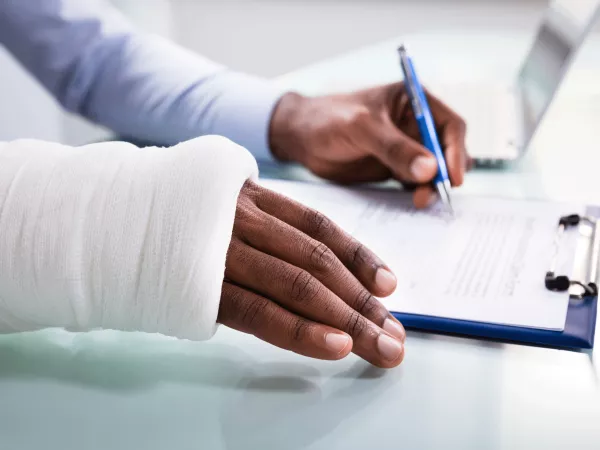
{"type": "Point", "coordinates": [357, 254]}
{"type": "Point", "coordinates": [366, 304]}
{"type": "Point", "coordinates": [255, 193]}
{"type": "Point", "coordinates": [248, 221]}
{"type": "Point", "coordinates": [251, 189]}
{"type": "Point", "coordinates": [244, 210]}
{"type": "Point", "coordinates": [356, 116]}
{"type": "Point", "coordinates": [235, 247]}
{"type": "Point", "coordinates": [229, 304]}
{"type": "Point", "coordinates": [356, 325]}
{"type": "Point", "coordinates": [234, 254]}
{"type": "Point", "coordinates": [319, 226]}
{"type": "Point", "coordinates": [300, 330]}
{"type": "Point", "coordinates": [321, 258]}
{"type": "Point", "coordinates": [394, 149]}
{"type": "Point", "coordinates": [241, 214]}
{"type": "Point", "coordinates": [360, 115]}
{"type": "Point", "coordinates": [250, 317]}
{"type": "Point", "coordinates": [461, 125]}
{"type": "Point", "coordinates": [303, 288]}
{"type": "Point", "coordinates": [236, 306]}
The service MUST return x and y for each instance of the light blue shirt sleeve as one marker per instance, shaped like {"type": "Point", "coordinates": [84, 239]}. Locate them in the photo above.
{"type": "Point", "coordinates": [98, 65]}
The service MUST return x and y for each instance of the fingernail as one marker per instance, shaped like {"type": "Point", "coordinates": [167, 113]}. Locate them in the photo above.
{"type": "Point", "coordinates": [385, 280]}
{"type": "Point", "coordinates": [433, 198]}
{"type": "Point", "coordinates": [422, 168]}
{"type": "Point", "coordinates": [389, 348]}
{"type": "Point", "coordinates": [394, 328]}
{"type": "Point", "coordinates": [336, 342]}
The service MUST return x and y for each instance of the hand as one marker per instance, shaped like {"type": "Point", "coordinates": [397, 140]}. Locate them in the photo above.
{"type": "Point", "coordinates": [367, 136]}
{"type": "Point", "coordinates": [297, 281]}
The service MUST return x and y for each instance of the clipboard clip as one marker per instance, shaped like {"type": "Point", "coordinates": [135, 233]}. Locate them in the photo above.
{"type": "Point", "coordinates": [562, 283]}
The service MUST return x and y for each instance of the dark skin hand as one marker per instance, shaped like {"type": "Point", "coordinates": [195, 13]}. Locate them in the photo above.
{"type": "Point", "coordinates": [368, 136]}
{"type": "Point", "coordinates": [296, 280]}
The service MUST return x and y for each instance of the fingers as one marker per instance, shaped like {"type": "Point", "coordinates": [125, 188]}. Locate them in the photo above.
{"type": "Point", "coordinates": [372, 273]}
{"type": "Point", "coordinates": [451, 126]}
{"type": "Point", "coordinates": [406, 158]}
{"type": "Point", "coordinates": [453, 134]}
{"type": "Point", "coordinates": [276, 238]}
{"type": "Point", "coordinates": [299, 292]}
{"type": "Point", "coordinates": [453, 137]}
{"type": "Point", "coordinates": [250, 313]}
{"type": "Point", "coordinates": [424, 197]}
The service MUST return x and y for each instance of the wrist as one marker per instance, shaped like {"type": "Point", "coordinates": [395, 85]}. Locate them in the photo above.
{"type": "Point", "coordinates": [284, 141]}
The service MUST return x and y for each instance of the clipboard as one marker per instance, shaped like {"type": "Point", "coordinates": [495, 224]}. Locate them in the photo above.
{"type": "Point", "coordinates": [580, 323]}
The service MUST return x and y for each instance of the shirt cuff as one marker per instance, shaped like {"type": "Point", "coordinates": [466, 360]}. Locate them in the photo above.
{"type": "Point", "coordinates": [244, 114]}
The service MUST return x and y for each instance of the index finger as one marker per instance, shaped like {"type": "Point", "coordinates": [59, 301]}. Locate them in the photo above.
{"type": "Point", "coordinates": [362, 262]}
{"type": "Point", "coordinates": [453, 134]}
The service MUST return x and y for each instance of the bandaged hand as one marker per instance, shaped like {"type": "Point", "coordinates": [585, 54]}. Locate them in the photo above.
{"type": "Point", "coordinates": [175, 241]}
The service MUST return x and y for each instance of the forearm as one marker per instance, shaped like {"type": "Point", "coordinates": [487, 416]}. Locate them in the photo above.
{"type": "Point", "coordinates": [111, 236]}
{"type": "Point", "coordinates": [164, 94]}
{"type": "Point", "coordinates": [141, 86]}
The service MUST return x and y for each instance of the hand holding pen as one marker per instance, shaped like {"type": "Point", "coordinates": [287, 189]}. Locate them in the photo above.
{"type": "Point", "coordinates": [426, 125]}
{"type": "Point", "coordinates": [369, 135]}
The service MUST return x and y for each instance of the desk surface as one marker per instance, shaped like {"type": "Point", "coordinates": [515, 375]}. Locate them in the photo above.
{"type": "Point", "coordinates": [112, 390]}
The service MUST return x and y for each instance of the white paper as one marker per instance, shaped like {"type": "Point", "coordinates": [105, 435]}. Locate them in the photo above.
{"type": "Point", "coordinates": [485, 264]}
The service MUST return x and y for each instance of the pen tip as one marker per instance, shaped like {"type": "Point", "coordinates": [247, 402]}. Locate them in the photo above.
{"type": "Point", "coordinates": [444, 194]}
{"type": "Point", "coordinates": [449, 204]}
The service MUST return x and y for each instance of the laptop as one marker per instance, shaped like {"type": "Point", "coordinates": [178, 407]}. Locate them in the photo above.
{"type": "Point", "coordinates": [507, 117]}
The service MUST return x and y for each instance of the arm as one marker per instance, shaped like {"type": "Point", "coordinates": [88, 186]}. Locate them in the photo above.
{"type": "Point", "coordinates": [111, 236]}
{"type": "Point", "coordinates": [97, 65]}
{"type": "Point", "coordinates": [176, 240]}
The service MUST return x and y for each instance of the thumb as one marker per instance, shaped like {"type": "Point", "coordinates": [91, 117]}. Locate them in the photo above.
{"type": "Point", "coordinates": [407, 159]}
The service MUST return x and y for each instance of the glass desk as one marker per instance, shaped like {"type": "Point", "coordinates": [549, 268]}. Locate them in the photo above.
{"type": "Point", "coordinates": [107, 390]}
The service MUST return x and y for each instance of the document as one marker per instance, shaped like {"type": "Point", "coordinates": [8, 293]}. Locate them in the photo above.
{"type": "Point", "coordinates": [484, 264]}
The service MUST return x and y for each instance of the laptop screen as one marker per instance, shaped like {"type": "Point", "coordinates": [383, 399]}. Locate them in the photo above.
{"type": "Point", "coordinates": [560, 35]}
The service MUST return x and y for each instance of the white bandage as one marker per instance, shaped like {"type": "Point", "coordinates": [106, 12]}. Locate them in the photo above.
{"type": "Point", "coordinates": [113, 236]}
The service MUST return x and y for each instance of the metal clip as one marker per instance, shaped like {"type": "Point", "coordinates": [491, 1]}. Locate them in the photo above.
{"type": "Point", "coordinates": [562, 283]}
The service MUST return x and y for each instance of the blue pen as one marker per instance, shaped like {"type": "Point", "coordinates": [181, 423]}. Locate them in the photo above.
{"type": "Point", "coordinates": [426, 125]}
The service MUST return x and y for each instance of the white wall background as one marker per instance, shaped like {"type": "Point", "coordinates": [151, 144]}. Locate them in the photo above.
{"type": "Point", "coordinates": [270, 37]}
{"type": "Point", "coordinates": [266, 37]}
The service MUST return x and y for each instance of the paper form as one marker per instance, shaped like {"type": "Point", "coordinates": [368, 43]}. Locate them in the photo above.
{"type": "Point", "coordinates": [485, 264]}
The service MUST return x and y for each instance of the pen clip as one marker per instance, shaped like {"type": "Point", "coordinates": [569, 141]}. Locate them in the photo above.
{"type": "Point", "coordinates": [410, 83]}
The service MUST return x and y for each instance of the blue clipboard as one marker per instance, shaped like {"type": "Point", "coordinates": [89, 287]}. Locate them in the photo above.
{"type": "Point", "coordinates": [578, 333]}
{"type": "Point", "coordinates": [580, 322]}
